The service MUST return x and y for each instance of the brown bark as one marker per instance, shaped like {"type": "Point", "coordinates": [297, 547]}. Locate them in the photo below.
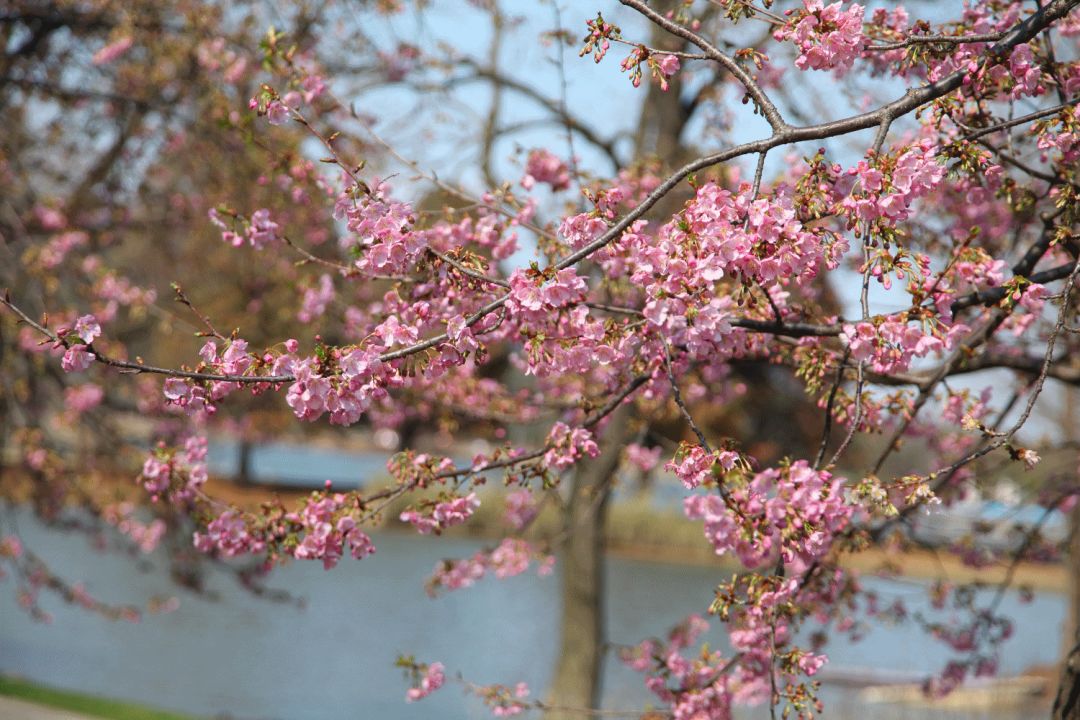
{"type": "Point", "coordinates": [243, 471]}
{"type": "Point", "coordinates": [577, 682]}
{"type": "Point", "coordinates": [1067, 703]}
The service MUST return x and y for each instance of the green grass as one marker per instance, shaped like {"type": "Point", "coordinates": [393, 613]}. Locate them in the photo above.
{"type": "Point", "coordinates": [90, 705]}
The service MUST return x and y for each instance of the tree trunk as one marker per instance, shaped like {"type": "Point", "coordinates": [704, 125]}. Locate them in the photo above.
{"type": "Point", "coordinates": [243, 470]}
{"type": "Point", "coordinates": [1067, 703]}
{"type": "Point", "coordinates": [577, 682]}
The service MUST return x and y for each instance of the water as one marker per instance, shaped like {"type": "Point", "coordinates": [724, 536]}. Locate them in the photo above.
{"type": "Point", "coordinates": [334, 658]}
{"type": "Point", "coordinates": [299, 465]}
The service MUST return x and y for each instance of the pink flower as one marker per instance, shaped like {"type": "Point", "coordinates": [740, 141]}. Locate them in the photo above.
{"type": "Point", "coordinates": [510, 558]}
{"type": "Point", "coordinates": [11, 547]}
{"type": "Point", "coordinates": [177, 389]}
{"type": "Point", "coordinates": [382, 230]}
{"type": "Point", "coordinates": [432, 680]}
{"type": "Point", "coordinates": [82, 398]}
{"type": "Point", "coordinates": [277, 112]}
{"type": "Point", "coordinates": [1025, 72]}
{"type": "Point", "coordinates": [795, 511]}
{"type": "Point", "coordinates": [58, 248]}
{"type": "Point", "coordinates": [828, 38]}
{"type": "Point", "coordinates": [316, 299]}
{"type": "Point", "coordinates": [810, 663]}
{"type": "Point", "coordinates": [156, 474]}
{"type": "Point", "coordinates": [208, 352]}
{"type": "Point", "coordinates": [565, 288]}
{"type": "Point", "coordinates": [643, 458]}
{"type": "Point", "coordinates": [580, 230]}
{"type": "Point", "coordinates": [461, 335]}
{"type": "Point", "coordinates": [392, 332]}
{"type": "Point", "coordinates": [456, 511]}
{"type": "Point", "coordinates": [445, 514]}
{"type": "Point", "coordinates": [262, 231]}
{"type": "Point", "coordinates": [524, 292]}
{"type": "Point", "coordinates": [309, 395]}
{"type": "Point", "coordinates": [314, 86]}
{"type": "Point", "coordinates": [521, 509]}
{"type": "Point", "coordinates": [542, 166]}
{"type": "Point", "coordinates": [567, 446]}
{"type": "Point", "coordinates": [694, 466]}
{"type": "Point", "coordinates": [668, 65]}
{"type": "Point", "coordinates": [76, 359]}
{"type": "Point", "coordinates": [87, 328]}
{"type": "Point", "coordinates": [228, 535]}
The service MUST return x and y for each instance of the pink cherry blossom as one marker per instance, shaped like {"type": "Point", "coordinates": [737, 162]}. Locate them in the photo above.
{"type": "Point", "coordinates": [432, 679]}
{"type": "Point", "coordinates": [668, 64]}
{"type": "Point", "coordinates": [87, 328]}
{"type": "Point", "coordinates": [544, 167]}
{"type": "Point", "coordinates": [828, 37]}
{"type": "Point", "coordinates": [567, 446]}
{"type": "Point", "coordinates": [77, 358]}
{"type": "Point", "coordinates": [443, 514]}
{"type": "Point", "coordinates": [277, 112]}
{"type": "Point", "coordinates": [521, 508]}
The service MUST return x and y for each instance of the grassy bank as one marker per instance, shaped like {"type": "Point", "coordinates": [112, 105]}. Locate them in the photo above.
{"type": "Point", "coordinates": [89, 705]}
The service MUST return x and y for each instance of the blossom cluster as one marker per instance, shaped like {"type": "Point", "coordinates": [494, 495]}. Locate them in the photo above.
{"type": "Point", "coordinates": [532, 292]}
{"type": "Point", "coordinates": [197, 397]}
{"type": "Point", "coordinates": [329, 531]}
{"type": "Point", "coordinates": [431, 678]}
{"type": "Point", "coordinates": [521, 509]}
{"type": "Point", "coordinates": [325, 528]}
{"type": "Point", "coordinates": [80, 399]}
{"type": "Point", "coordinates": [566, 446]}
{"type": "Point", "coordinates": [259, 232]}
{"type": "Point", "coordinates": [722, 235]}
{"type": "Point", "coordinates": [76, 355]}
{"type": "Point", "coordinates": [545, 167]}
{"type": "Point", "coordinates": [228, 535]}
{"type": "Point", "coordinates": [662, 66]}
{"type": "Point", "coordinates": [346, 391]}
{"type": "Point", "coordinates": [829, 37]}
{"type": "Point", "coordinates": [890, 345]}
{"type": "Point", "coordinates": [176, 474]}
{"type": "Point", "coordinates": [692, 687]}
{"type": "Point", "coordinates": [124, 517]}
{"type": "Point", "coordinates": [794, 512]}
{"type": "Point", "coordinates": [696, 467]}
{"type": "Point", "coordinates": [886, 191]}
{"type": "Point", "coordinates": [502, 700]}
{"type": "Point", "coordinates": [382, 237]}
{"type": "Point", "coordinates": [510, 558]}
{"type": "Point", "coordinates": [443, 514]}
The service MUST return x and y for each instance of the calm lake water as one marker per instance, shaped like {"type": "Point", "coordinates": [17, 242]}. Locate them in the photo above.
{"type": "Point", "coordinates": [251, 658]}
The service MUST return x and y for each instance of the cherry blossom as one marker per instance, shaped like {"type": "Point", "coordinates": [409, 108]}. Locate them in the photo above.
{"type": "Point", "coordinates": [432, 679]}
{"type": "Point", "coordinates": [829, 37]}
